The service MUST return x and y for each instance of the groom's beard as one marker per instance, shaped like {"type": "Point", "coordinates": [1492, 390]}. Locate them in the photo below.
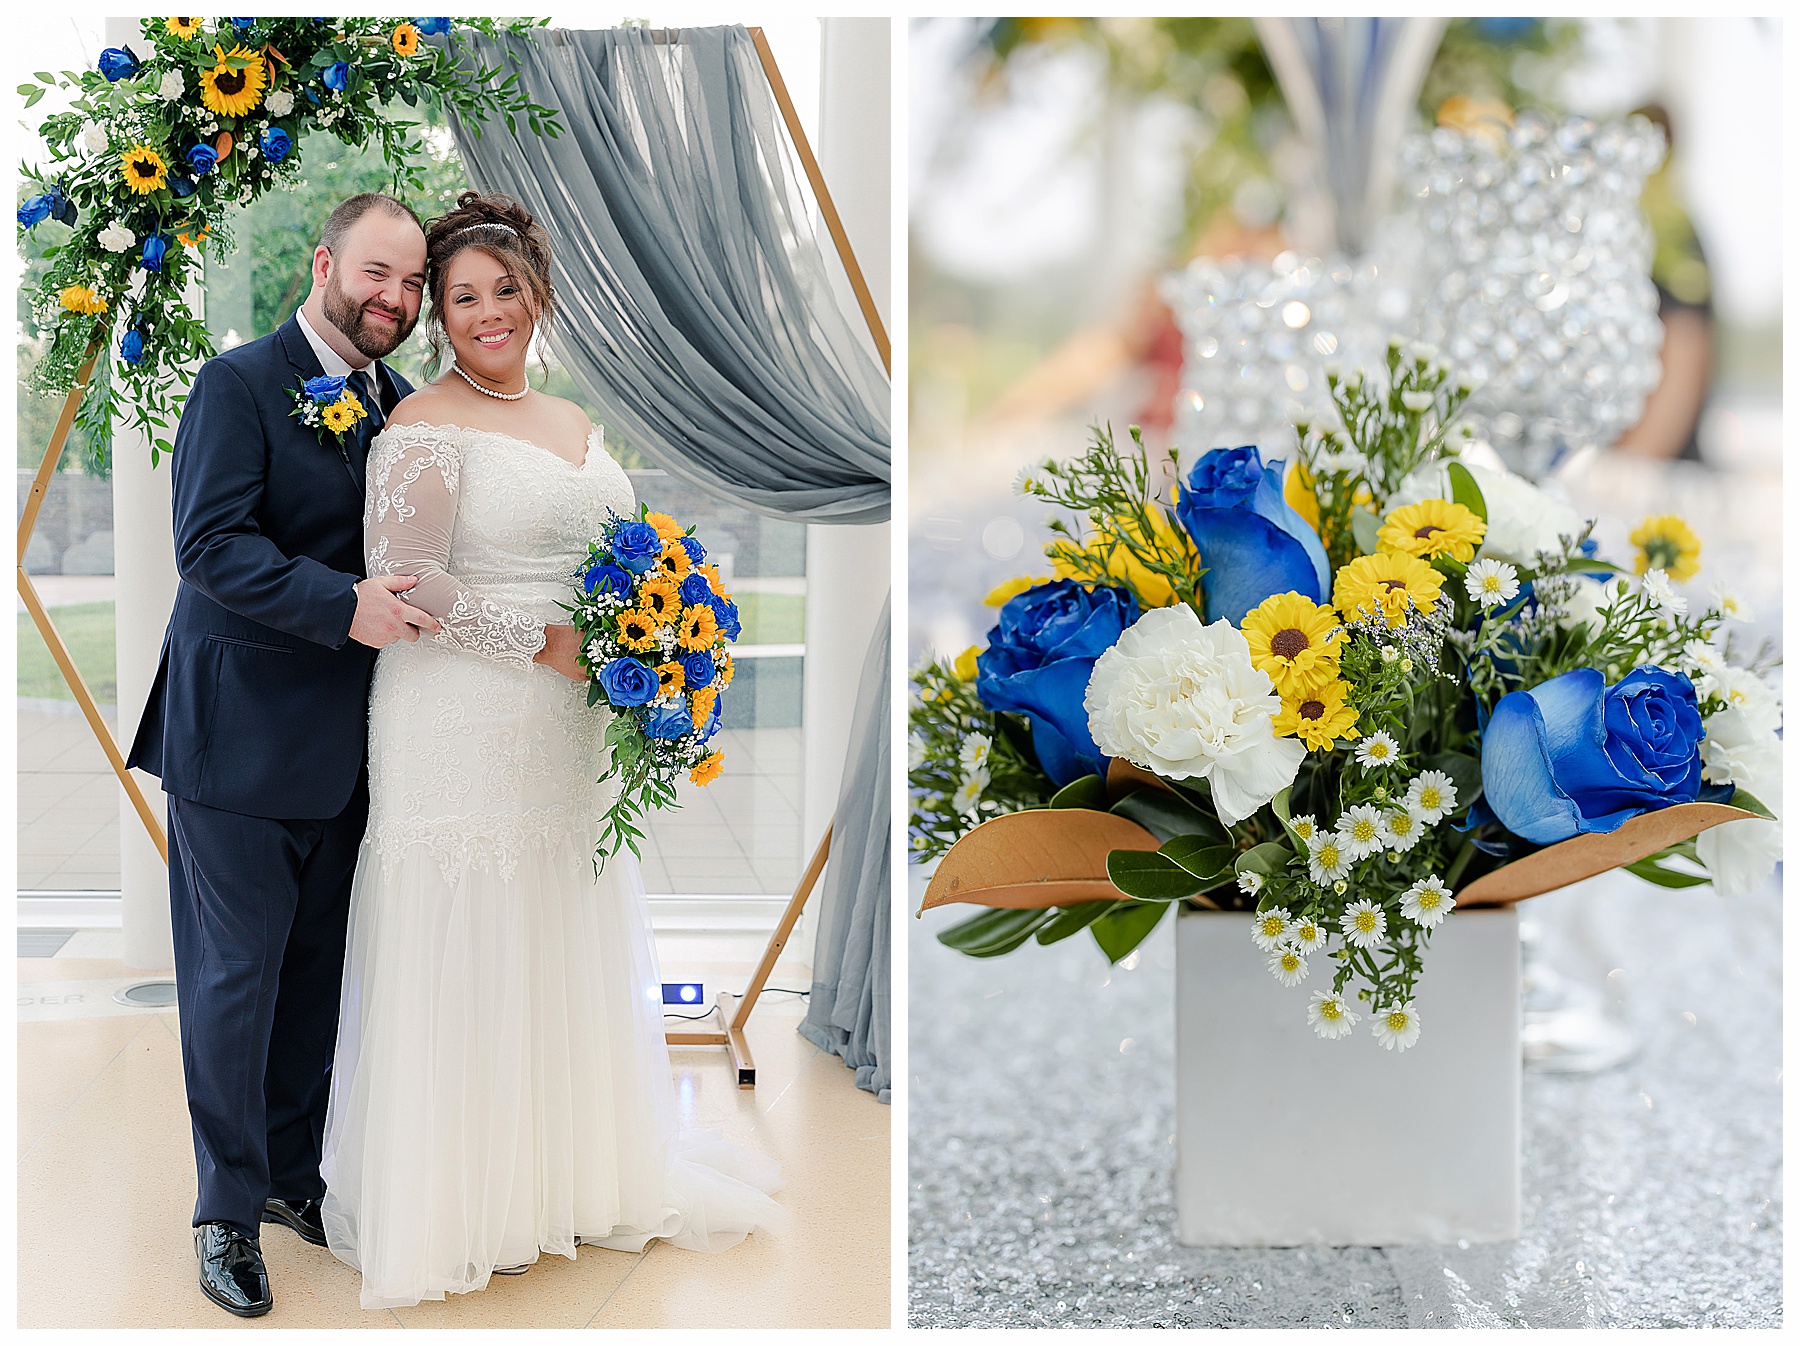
{"type": "Point", "coordinates": [349, 317]}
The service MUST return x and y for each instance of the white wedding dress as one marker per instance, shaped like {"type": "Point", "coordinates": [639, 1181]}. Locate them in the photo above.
{"type": "Point", "coordinates": [501, 1085]}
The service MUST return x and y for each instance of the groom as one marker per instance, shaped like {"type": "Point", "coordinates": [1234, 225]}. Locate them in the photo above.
{"type": "Point", "coordinates": [257, 726]}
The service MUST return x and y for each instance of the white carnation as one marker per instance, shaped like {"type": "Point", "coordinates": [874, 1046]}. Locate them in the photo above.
{"type": "Point", "coordinates": [93, 138]}
{"type": "Point", "coordinates": [280, 103]}
{"type": "Point", "coordinates": [1183, 700]}
{"type": "Point", "coordinates": [173, 86]}
{"type": "Point", "coordinates": [117, 238]}
{"type": "Point", "coordinates": [1522, 519]}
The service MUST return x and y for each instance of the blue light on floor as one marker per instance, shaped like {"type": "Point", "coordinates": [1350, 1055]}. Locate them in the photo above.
{"type": "Point", "coordinates": [683, 992]}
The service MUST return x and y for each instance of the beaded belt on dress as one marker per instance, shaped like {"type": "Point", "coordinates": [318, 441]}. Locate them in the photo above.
{"type": "Point", "coordinates": [520, 577]}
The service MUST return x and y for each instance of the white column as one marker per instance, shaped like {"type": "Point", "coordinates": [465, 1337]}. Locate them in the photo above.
{"type": "Point", "coordinates": [847, 567]}
{"type": "Point", "coordinates": [144, 595]}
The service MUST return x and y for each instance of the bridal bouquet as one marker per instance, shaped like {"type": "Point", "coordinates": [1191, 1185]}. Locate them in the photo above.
{"type": "Point", "coordinates": [654, 620]}
{"type": "Point", "coordinates": [1347, 692]}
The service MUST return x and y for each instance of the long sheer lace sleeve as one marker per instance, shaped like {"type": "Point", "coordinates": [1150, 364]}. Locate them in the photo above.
{"type": "Point", "coordinates": [408, 519]}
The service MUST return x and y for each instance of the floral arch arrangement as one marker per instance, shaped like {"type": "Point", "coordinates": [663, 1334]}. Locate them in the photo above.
{"type": "Point", "coordinates": [159, 144]}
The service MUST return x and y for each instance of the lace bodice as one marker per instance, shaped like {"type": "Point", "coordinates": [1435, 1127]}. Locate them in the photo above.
{"type": "Point", "coordinates": [472, 511]}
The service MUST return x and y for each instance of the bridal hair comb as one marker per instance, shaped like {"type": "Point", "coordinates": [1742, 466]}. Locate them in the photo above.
{"type": "Point", "coordinates": [486, 224]}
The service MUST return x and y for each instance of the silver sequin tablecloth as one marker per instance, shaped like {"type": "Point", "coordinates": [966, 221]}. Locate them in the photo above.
{"type": "Point", "coordinates": [1042, 1147]}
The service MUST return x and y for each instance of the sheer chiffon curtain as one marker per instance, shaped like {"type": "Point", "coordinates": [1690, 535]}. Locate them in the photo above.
{"type": "Point", "coordinates": [697, 314]}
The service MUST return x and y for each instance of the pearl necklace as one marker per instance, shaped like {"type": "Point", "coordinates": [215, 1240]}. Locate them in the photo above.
{"type": "Point", "coordinates": [504, 397]}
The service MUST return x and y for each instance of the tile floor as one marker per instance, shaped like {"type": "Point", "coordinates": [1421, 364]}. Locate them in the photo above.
{"type": "Point", "coordinates": [104, 1149]}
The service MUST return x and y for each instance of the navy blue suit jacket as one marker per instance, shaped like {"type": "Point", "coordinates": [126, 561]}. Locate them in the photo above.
{"type": "Point", "coordinates": [260, 704]}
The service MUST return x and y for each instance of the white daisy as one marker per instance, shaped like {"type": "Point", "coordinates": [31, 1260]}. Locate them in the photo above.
{"type": "Point", "coordinates": [1288, 965]}
{"type": "Point", "coordinates": [1030, 476]}
{"type": "Point", "coordinates": [1397, 1026]}
{"type": "Point", "coordinates": [1250, 882]}
{"type": "Point", "coordinates": [1269, 929]}
{"type": "Point", "coordinates": [915, 752]}
{"type": "Point", "coordinates": [1491, 582]}
{"type": "Point", "coordinates": [1731, 606]}
{"type": "Point", "coordinates": [1307, 935]}
{"type": "Point", "coordinates": [1329, 1015]}
{"type": "Point", "coordinates": [1401, 829]}
{"type": "Point", "coordinates": [1416, 401]}
{"type": "Point", "coordinates": [1427, 902]}
{"type": "Point", "coordinates": [1431, 796]}
{"type": "Point", "coordinates": [1364, 924]}
{"type": "Point", "coordinates": [975, 749]}
{"type": "Point", "coordinates": [1327, 860]}
{"type": "Point", "coordinates": [1360, 830]}
{"type": "Point", "coordinates": [1304, 827]}
{"type": "Point", "coordinates": [1378, 749]}
{"type": "Point", "coordinates": [968, 794]}
{"type": "Point", "coordinates": [1701, 657]}
{"type": "Point", "coordinates": [1659, 591]}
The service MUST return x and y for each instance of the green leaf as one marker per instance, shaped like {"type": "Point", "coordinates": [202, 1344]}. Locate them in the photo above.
{"type": "Point", "coordinates": [1464, 772]}
{"type": "Point", "coordinates": [1016, 730]}
{"type": "Point", "coordinates": [1743, 799]}
{"type": "Point", "coordinates": [1089, 792]}
{"type": "Point", "coordinates": [1202, 857]}
{"type": "Point", "coordinates": [1594, 565]}
{"type": "Point", "coordinates": [1072, 920]}
{"type": "Point", "coordinates": [1283, 805]}
{"type": "Point", "coordinates": [1166, 815]}
{"type": "Point", "coordinates": [1366, 529]}
{"type": "Point", "coordinates": [42, 77]}
{"type": "Point", "coordinates": [993, 932]}
{"type": "Point", "coordinates": [1149, 876]}
{"type": "Point", "coordinates": [1268, 859]}
{"type": "Point", "coordinates": [1124, 928]}
{"type": "Point", "coordinates": [26, 90]}
{"type": "Point", "coordinates": [1666, 878]}
{"type": "Point", "coordinates": [1464, 491]}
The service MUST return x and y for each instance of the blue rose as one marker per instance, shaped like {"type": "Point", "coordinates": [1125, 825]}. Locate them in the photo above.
{"type": "Point", "coordinates": [628, 683]}
{"type": "Point", "coordinates": [181, 188]}
{"type": "Point", "coordinates": [602, 578]}
{"type": "Point", "coordinates": [336, 76]}
{"type": "Point", "coordinates": [726, 614]}
{"type": "Point", "coordinates": [671, 721]}
{"type": "Point", "coordinates": [695, 589]}
{"type": "Point", "coordinates": [325, 389]}
{"type": "Point", "coordinates": [156, 246]}
{"type": "Point", "coordinates": [275, 144]}
{"type": "Point", "coordinates": [713, 717]}
{"type": "Point", "coordinates": [35, 210]}
{"type": "Point", "coordinates": [1251, 541]}
{"type": "Point", "coordinates": [201, 158]}
{"type": "Point", "coordinates": [117, 63]}
{"type": "Point", "coordinates": [243, 25]}
{"type": "Point", "coordinates": [131, 347]}
{"type": "Point", "coordinates": [1573, 755]}
{"type": "Point", "coordinates": [636, 546]}
{"type": "Point", "coordinates": [691, 545]}
{"type": "Point", "coordinates": [698, 670]}
{"type": "Point", "coordinates": [432, 27]}
{"type": "Point", "coordinates": [61, 208]}
{"type": "Point", "coordinates": [1038, 661]}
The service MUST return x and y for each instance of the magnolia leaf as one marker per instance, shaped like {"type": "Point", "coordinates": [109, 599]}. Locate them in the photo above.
{"type": "Point", "coordinates": [1667, 878]}
{"type": "Point", "coordinates": [1202, 857]}
{"type": "Point", "coordinates": [994, 932]}
{"type": "Point", "coordinates": [1072, 920]}
{"type": "Point", "coordinates": [1464, 490]}
{"type": "Point", "coordinates": [1150, 876]}
{"type": "Point", "coordinates": [1087, 792]}
{"type": "Point", "coordinates": [1743, 799]}
{"type": "Point", "coordinates": [1121, 930]}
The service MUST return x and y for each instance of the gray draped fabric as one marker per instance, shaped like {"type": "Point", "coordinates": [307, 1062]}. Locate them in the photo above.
{"type": "Point", "coordinates": [696, 309]}
{"type": "Point", "coordinates": [848, 1012]}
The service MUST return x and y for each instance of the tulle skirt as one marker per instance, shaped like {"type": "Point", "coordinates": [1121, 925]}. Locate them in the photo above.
{"type": "Point", "coordinates": [502, 1087]}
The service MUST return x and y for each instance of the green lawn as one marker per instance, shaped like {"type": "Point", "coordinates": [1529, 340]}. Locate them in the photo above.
{"type": "Point", "coordinates": [87, 630]}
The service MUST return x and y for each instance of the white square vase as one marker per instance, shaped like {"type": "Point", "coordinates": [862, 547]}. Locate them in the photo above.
{"type": "Point", "coordinates": [1285, 1138]}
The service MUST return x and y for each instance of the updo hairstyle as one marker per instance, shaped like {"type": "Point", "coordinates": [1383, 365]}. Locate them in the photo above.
{"type": "Point", "coordinates": [505, 231]}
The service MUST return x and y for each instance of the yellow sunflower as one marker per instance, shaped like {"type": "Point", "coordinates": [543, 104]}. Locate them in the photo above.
{"type": "Point", "coordinates": [1000, 594]}
{"type": "Point", "coordinates": [81, 299]}
{"type": "Point", "coordinates": [670, 678]}
{"type": "Point", "coordinates": [1665, 542]}
{"type": "Point", "coordinates": [964, 667]}
{"type": "Point", "coordinates": [1167, 542]}
{"type": "Point", "coordinates": [182, 27]}
{"type": "Point", "coordinates": [233, 90]}
{"type": "Point", "coordinates": [674, 562]}
{"type": "Point", "coordinates": [637, 630]}
{"type": "Point", "coordinates": [406, 39]}
{"type": "Point", "coordinates": [192, 237]}
{"type": "Point", "coordinates": [708, 771]}
{"type": "Point", "coordinates": [144, 170]}
{"type": "Point", "coordinates": [664, 524]}
{"type": "Point", "coordinates": [714, 580]}
{"type": "Point", "coordinates": [1295, 641]}
{"type": "Point", "coordinates": [699, 629]}
{"type": "Point", "coordinates": [727, 670]}
{"type": "Point", "coordinates": [1434, 528]}
{"type": "Point", "coordinates": [1319, 718]}
{"type": "Point", "coordinates": [343, 413]}
{"type": "Point", "coordinates": [701, 706]}
{"type": "Point", "coordinates": [1383, 584]}
{"type": "Point", "coordinates": [660, 599]}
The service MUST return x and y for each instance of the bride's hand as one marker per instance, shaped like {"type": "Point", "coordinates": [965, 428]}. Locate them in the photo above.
{"type": "Point", "coordinates": [561, 646]}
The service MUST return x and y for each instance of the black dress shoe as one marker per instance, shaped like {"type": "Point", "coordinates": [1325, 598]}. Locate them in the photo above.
{"type": "Point", "coordinates": [232, 1274]}
{"type": "Point", "coordinates": [305, 1218]}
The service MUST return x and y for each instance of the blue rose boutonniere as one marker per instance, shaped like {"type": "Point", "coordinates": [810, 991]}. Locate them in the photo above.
{"type": "Point", "coordinates": [327, 405]}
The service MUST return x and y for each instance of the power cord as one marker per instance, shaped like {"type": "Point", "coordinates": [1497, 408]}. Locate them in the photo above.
{"type": "Point", "coordinates": [767, 990]}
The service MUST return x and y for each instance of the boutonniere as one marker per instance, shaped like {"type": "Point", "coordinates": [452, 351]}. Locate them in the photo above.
{"type": "Point", "coordinates": [327, 405]}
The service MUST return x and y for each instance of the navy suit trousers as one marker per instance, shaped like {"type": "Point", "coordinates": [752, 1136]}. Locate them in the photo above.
{"type": "Point", "coordinates": [260, 908]}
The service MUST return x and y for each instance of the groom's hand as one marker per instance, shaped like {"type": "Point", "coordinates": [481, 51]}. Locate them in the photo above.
{"type": "Point", "coordinates": [381, 618]}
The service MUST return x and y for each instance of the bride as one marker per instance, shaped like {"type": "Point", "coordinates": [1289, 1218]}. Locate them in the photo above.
{"type": "Point", "coordinates": [501, 1086]}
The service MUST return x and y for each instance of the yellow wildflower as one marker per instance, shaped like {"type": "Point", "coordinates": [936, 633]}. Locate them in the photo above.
{"type": "Point", "coordinates": [1295, 641]}
{"type": "Point", "coordinates": [1383, 584]}
{"type": "Point", "coordinates": [1434, 528]}
{"type": "Point", "coordinates": [1320, 718]}
{"type": "Point", "coordinates": [1665, 542]}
